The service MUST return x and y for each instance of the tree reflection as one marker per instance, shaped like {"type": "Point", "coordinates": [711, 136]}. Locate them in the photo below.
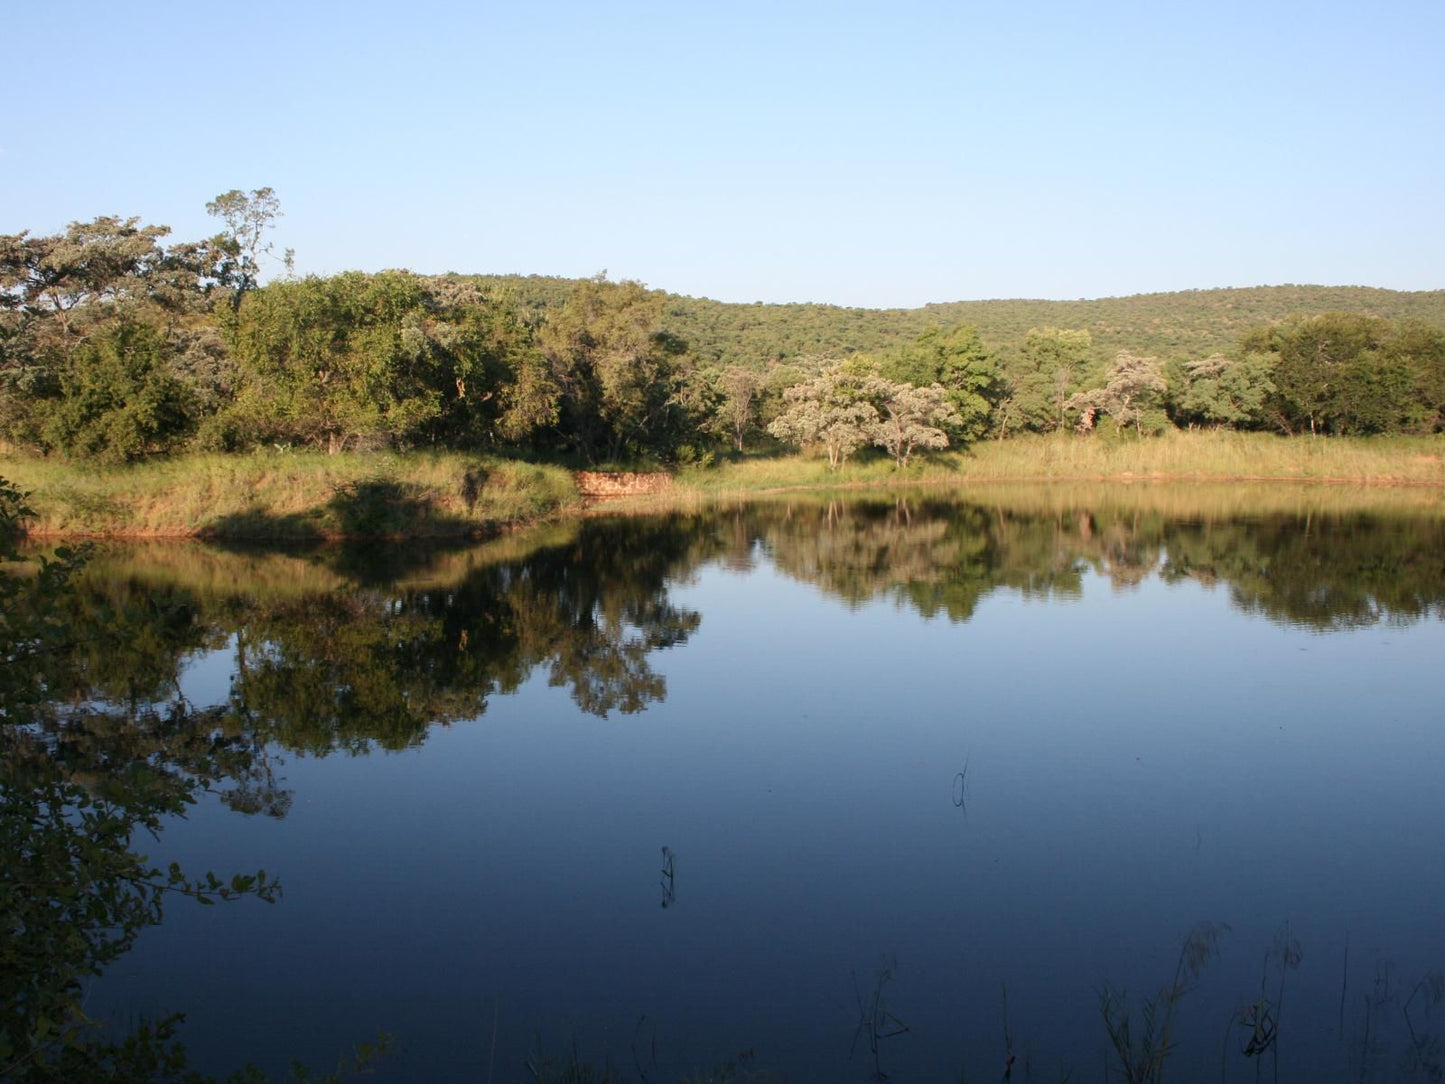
{"type": "Point", "coordinates": [323, 667]}
{"type": "Point", "coordinates": [941, 557]}
{"type": "Point", "coordinates": [100, 742]}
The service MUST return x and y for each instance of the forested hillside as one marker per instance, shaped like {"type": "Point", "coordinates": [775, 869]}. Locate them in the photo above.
{"type": "Point", "coordinates": [1184, 323]}
{"type": "Point", "coordinates": [117, 344]}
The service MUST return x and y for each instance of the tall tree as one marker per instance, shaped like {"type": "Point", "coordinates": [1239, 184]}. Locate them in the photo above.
{"type": "Point", "coordinates": [607, 374]}
{"type": "Point", "coordinates": [740, 389]}
{"type": "Point", "coordinates": [1054, 365]}
{"type": "Point", "coordinates": [336, 363]}
{"type": "Point", "coordinates": [248, 217]}
{"type": "Point", "coordinates": [1335, 373]}
{"type": "Point", "coordinates": [957, 360]}
{"type": "Point", "coordinates": [1223, 391]}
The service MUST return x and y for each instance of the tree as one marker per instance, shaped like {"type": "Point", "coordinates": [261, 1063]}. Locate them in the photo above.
{"type": "Point", "coordinates": [1220, 391]}
{"type": "Point", "coordinates": [118, 400]}
{"type": "Point", "coordinates": [606, 375]}
{"type": "Point", "coordinates": [1052, 367]}
{"type": "Point", "coordinates": [248, 216]}
{"type": "Point", "coordinates": [335, 363]}
{"type": "Point", "coordinates": [831, 410]}
{"type": "Point", "coordinates": [910, 417]}
{"type": "Point", "coordinates": [51, 286]}
{"type": "Point", "coordinates": [1132, 387]}
{"type": "Point", "coordinates": [957, 360]}
{"type": "Point", "coordinates": [1337, 373]}
{"type": "Point", "coordinates": [740, 389]}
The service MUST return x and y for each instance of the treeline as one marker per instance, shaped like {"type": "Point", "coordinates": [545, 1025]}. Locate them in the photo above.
{"type": "Point", "coordinates": [115, 346]}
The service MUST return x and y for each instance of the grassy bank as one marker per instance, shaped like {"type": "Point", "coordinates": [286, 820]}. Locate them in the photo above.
{"type": "Point", "coordinates": [1176, 456]}
{"type": "Point", "coordinates": [290, 496]}
{"type": "Point", "coordinates": [310, 496]}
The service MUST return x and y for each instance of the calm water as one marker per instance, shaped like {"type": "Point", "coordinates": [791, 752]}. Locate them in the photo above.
{"type": "Point", "coordinates": [789, 778]}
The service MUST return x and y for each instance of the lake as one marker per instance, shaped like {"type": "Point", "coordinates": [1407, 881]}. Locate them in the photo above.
{"type": "Point", "coordinates": [824, 788]}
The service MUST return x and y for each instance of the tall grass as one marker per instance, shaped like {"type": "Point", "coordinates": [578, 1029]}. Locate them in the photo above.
{"type": "Point", "coordinates": [1175, 456]}
{"type": "Point", "coordinates": [289, 495]}
{"type": "Point", "coordinates": [273, 494]}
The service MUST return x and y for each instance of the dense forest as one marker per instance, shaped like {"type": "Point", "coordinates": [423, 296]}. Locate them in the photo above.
{"type": "Point", "coordinates": [116, 345]}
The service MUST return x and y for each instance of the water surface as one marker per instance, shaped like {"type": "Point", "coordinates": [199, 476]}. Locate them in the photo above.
{"type": "Point", "coordinates": [792, 777]}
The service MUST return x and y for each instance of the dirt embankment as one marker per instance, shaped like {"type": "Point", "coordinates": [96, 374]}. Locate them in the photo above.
{"type": "Point", "coordinates": [600, 484]}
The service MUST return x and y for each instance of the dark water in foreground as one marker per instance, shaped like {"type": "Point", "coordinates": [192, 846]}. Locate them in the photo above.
{"type": "Point", "coordinates": [790, 778]}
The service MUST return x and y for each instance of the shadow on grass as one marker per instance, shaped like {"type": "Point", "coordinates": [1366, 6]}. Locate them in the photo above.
{"type": "Point", "coordinates": [259, 524]}
{"type": "Point", "coordinates": [371, 508]}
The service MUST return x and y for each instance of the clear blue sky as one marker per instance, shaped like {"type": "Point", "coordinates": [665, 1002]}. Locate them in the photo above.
{"type": "Point", "coordinates": [864, 154]}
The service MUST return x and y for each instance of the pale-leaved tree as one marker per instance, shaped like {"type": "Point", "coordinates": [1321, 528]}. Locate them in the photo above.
{"type": "Point", "coordinates": [1132, 386]}
{"type": "Point", "coordinates": [830, 410]}
{"type": "Point", "coordinates": [910, 417]}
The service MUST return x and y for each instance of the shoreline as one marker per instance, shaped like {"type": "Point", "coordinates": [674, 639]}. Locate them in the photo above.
{"type": "Point", "coordinates": [310, 498]}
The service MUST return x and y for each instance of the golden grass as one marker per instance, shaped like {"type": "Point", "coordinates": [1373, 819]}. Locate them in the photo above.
{"type": "Point", "coordinates": [288, 495]}
{"type": "Point", "coordinates": [1176, 456]}
{"type": "Point", "coordinates": [308, 495]}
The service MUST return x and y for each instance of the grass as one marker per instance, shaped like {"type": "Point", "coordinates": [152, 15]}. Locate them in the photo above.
{"type": "Point", "coordinates": [285, 495]}
{"type": "Point", "coordinates": [1175, 456]}
{"type": "Point", "coordinates": [300, 495]}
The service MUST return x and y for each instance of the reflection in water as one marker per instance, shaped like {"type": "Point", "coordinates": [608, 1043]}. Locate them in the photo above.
{"type": "Point", "coordinates": [669, 877]}
{"type": "Point", "coordinates": [322, 666]}
{"type": "Point", "coordinates": [876, 1021]}
{"type": "Point", "coordinates": [333, 654]}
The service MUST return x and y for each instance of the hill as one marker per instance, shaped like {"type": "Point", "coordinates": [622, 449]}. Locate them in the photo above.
{"type": "Point", "coordinates": [1188, 324]}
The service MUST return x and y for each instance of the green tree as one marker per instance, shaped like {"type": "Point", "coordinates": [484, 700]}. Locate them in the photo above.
{"type": "Point", "coordinates": [1336, 373]}
{"type": "Point", "coordinates": [336, 363]}
{"type": "Point", "coordinates": [1054, 365]}
{"type": "Point", "coordinates": [606, 376]}
{"type": "Point", "coordinates": [957, 360]}
{"type": "Point", "coordinates": [1221, 391]}
{"type": "Point", "coordinates": [118, 399]}
{"type": "Point", "coordinates": [740, 391]}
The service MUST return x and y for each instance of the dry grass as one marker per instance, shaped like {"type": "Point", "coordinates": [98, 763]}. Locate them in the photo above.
{"type": "Point", "coordinates": [307, 495]}
{"type": "Point", "coordinates": [1176, 456]}
{"type": "Point", "coordinates": [289, 495]}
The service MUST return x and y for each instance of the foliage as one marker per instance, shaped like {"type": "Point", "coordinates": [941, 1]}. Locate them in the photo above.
{"type": "Point", "coordinates": [1344, 373]}
{"type": "Point", "coordinates": [910, 417]}
{"type": "Point", "coordinates": [1219, 391]}
{"type": "Point", "coordinates": [1142, 1056]}
{"type": "Point", "coordinates": [956, 360]}
{"type": "Point", "coordinates": [336, 363]}
{"type": "Point", "coordinates": [75, 892]}
{"type": "Point", "coordinates": [740, 390]}
{"type": "Point", "coordinates": [1133, 387]}
{"type": "Point", "coordinates": [605, 380]}
{"type": "Point", "coordinates": [1054, 365]}
{"type": "Point", "coordinates": [831, 410]}
{"type": "Point", "coordinates": [248, 216]}
{"type": "Point", "coordinates": [596, 371]}
{"type": "Point", "coordinates": [118, 399]}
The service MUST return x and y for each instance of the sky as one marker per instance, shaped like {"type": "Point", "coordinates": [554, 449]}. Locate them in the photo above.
{"type": "Point", "coordinates": [858, 154]}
